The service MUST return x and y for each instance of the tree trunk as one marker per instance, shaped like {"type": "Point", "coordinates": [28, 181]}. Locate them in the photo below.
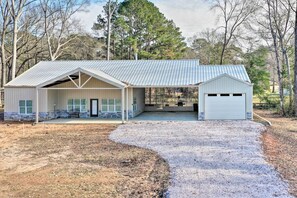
{"type": "Point", "coordinates": [286, 62]}
{"type": "Point", "coordinates": [108, 41]}
{"type": "Point", "coordinates": [3, 60]}
{"type": "Point", "coordinates": [295, 65]}
{"type": "Point", "coordinates": [3, 64]}
{"type": "Point", "coordinates": [14, 49]}
{"type": "Point", "coordinates": [136, 56]}
{"type": "Point", "coordinates": [279, 74]}
{"type": "Point", "coordinates": [108, 30]}
{"type": "Point", "coordinates": [222, 54]}
{"type": "Point", "coordinates": [273, 85]}
{"type": "Point", "coordinates": [289, 78]}
{"type": "Point", "coordinates": [278, 66]}
{"type": "Point", "coordinates": [224, 44]}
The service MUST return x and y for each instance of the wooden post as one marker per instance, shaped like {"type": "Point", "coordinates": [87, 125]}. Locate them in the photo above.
{"type": "Point", "coordinates": [37, 107]}
{"type": "Point", "coordinates": [150, 95]}
{"type": "Point", "coordinates": [127, 104]}
{"type": "Point", "coordinates": [79, 79]}
{"type": "Point", "coordinates": [123, 105]}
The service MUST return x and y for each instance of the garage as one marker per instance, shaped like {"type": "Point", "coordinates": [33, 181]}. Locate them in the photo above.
{"type": "Point", "coordinates": [225, 98]}
{"type": "Point", "coordinates": [227, 106]}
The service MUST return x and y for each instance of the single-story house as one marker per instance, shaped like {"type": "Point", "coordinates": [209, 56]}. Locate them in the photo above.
{"type": "Point", "coordinates": [124, 89]}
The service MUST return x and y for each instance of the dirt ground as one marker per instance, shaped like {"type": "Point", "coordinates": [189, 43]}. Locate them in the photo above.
{"type": "Point", "coordinates": [280, 146]}
{"type": "Point", "coordinates": [75, 161]}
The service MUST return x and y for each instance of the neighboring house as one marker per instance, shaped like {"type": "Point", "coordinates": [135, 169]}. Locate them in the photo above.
{"type": "Point", "coordinates": [116, 89]}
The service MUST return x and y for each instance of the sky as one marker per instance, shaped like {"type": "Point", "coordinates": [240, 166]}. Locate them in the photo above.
{"type": "Point", "coordinates": [192, 16]}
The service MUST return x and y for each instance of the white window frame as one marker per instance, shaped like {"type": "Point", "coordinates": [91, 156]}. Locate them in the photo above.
{"type": "Point", "coordinates": [26, 107]}
{"type": "Point", "coordinates": [80, 104]}
{"type": "Point", "coordinates": [108, 105]}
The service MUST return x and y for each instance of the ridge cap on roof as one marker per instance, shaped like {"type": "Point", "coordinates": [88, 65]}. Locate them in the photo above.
{"type": "Point", "coordinates": [119, 60]}
{"type": "Point", "coordinates": [225, 75]}
{"type": "Point", "coordinates": [223, 65]}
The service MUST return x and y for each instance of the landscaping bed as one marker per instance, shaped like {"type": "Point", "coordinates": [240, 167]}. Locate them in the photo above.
{"type": "Point", "coordinates": [280, 146]}
{"type": "Point", "coordinates": [75, 161]}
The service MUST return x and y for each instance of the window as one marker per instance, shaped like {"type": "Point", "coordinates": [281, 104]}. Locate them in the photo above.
{"type": "Point", "coordinates": [118, 105]}
{"type": "Point", "coordinates": [83, 105]}
{"type": "Point", "coordinates": [135, 107]}
{"type": "Point", "coordinates": [111, 105]}
{"type": "Point", "coordinates": [104, 105]}
{"type": "Point", "coordinates": [25, 107]}
{"type": "Point", "coordinates": [237, 94]}
{"type": "Point", "coordinates": [77, 105]}
{"type": "Point", "coordinates": [225, 94]}
{"type": "Point", "coordinates": [212, 95]}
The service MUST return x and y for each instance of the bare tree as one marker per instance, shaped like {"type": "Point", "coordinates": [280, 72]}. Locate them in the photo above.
{"type": "Point", "coordinates": [284, 28]}
{"type": "Point", "coordinates": [105, 22]}
{"type": "Point", "coordinates": [5, 21]}
{"type": "Point", "coordinates": [16, 9]}
{"type": "Point", "coordinates": [293, 7]}
{"type": "Point", "coordinates": [234, 14]}
{"type": "Point", "coordinates": [112, 6]}
{"type": "Point", "coordinates": [272, 10]}
{"type": "Point", "coordinates": [59, 24]}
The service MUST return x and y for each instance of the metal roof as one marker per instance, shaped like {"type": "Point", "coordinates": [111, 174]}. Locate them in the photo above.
{"type": "Point", "coordinates": [135, 73]}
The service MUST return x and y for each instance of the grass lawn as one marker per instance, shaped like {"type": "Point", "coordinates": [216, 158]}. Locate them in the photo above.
{"type": "Point", "coordinates": [75, 161]}
{"type": "Point", "coordinates": [280, 146]}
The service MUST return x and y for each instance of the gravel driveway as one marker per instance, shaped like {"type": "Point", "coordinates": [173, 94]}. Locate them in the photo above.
{"type": "Point", "coordinates": [208, 159]}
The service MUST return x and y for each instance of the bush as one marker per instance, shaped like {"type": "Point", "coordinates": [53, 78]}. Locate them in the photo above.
{"type": "Point", "coordinates": [272, 100]}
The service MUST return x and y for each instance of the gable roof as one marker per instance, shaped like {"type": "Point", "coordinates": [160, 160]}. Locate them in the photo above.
{"type": "Point", "coordinates": [96, 74]}
{"type": "Point", "coordinates": [228, 76]}
{"type": "Point", "coordinates": [135, 73]}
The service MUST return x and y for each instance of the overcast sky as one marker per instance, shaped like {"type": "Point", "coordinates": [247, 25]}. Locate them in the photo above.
{"type": "Point", "coordinates": [191, 16]}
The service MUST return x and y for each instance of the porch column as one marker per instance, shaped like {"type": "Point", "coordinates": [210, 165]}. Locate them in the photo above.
{"type": "Point", "coordinates": [37, 107]}
{"type": "Point", "coordinates": [127, 104]}
{"type": "Point", "coordinates": [123, 105]}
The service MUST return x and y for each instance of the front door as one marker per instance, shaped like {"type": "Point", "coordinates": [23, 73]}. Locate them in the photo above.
{"type": "Point", "coordinates": [94, 107]}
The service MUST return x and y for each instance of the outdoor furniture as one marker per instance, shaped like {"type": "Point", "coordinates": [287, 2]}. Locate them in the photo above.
{"type": "Point", "coordinates": [180, 104]}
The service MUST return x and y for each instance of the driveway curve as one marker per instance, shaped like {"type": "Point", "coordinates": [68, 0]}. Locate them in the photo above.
{"type": "Point", "coordinates": [208, 159]}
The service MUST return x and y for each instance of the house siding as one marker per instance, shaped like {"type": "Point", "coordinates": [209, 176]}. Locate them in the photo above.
{"type": "Point", "coordinates": [226, 85]}
{"type": "Point", "coordinates": [14, 95]}
{"type": "Point", "coordinates": [139, 94]}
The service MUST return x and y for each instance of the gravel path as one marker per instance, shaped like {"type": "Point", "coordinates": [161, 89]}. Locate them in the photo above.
{"type": "Point", "coordinates": [208, 159]}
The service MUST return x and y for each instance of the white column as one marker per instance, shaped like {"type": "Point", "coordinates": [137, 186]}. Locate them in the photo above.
{"type": "Point", "coordinates": [127, 104]}
{"type": "Point", "coordinates": [123, 105]}
{"type": "Point", "coordinates": [37, 107]}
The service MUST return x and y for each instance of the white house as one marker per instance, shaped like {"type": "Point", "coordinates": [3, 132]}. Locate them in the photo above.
{"type": "Point", "coordinates": [120, 89]}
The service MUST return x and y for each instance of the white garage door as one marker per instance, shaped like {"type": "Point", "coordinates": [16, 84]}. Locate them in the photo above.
{"type": "Point", "coordinates": [225, 106]}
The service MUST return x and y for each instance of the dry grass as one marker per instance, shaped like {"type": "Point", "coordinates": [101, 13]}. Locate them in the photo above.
{"type": "Point", "coordinates": [280, 146]}
{"type": "Point", "coordinates": [75, 161]}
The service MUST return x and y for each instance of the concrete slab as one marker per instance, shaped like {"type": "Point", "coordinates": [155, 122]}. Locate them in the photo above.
{"type": "Point", "coordinates": [83, 121]}
{"type": "Point", "coordinates": [167, 116]}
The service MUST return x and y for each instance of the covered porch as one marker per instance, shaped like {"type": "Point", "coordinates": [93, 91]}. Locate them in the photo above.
{"type": "Point", "coordinates": [83, 96]}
